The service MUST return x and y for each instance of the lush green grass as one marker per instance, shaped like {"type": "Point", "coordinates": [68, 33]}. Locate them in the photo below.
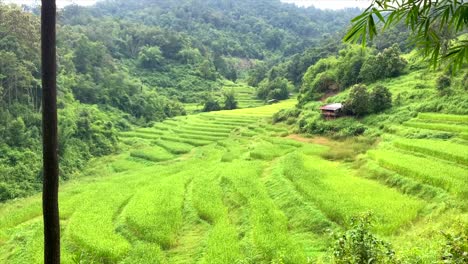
{"type": "Point", "coordinates": [224, 187]}
{"type": "Point", "coordinates": [139, 135]}
{"type": "Point", "coordinates": [193, 142]}
{"type": "Point", "coordinates": [91, 228]}
{"type": "Point", "coordinates": [268, 234]}
{"type": "Point", "coordinates": [192, 131]}
{"type": "Point", "coordinates": [154, 153]}
{"type": "Point", "coordinates": [436, 148]}
{"type": "Point", "coordinates": [434, 172]}
{"type": "Point", "coordinates": [438, 126]}
{"type": "Point", "coordinates": [174, 147]}
{"type": "Point", "coordinates": [341, 195]}
{"type": "Point", "coordinates": [267, 151]}
{"type": "Point", "coordinates": [125, 164]}
{"type": "Point", "coordinates": [153, 214]}
{"type": "Point", "coordinates": [244, 94]}
{"type": "Point", "coordinates": [443, 117]}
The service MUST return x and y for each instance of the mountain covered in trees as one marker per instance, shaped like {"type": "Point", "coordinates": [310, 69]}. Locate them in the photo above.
{"type": "Point", "coordinates": [124, 63]}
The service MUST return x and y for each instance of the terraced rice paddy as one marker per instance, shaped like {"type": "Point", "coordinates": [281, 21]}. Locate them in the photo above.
{"type": "Point", "coordinates": [244, 94]}
{"type": "Point", "coordinates": [447, 123]}
{"type": "Point", "coordinates": [432, 163]}
{"type": "Point", "coordinates": [226, 187]}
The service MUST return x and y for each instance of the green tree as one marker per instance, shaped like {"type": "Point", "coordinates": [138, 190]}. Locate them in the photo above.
{"type": "Point", "coordinates": [211, 105]}
{"type": "Point", "coordinates": [89, 56]}
{"type": "Point", "coordinates": [15, 79]}
{"type": "Point", "coordinates": [17, 134]}
{"type": "Point", "coordinates": [436, 26]}
{"type": "Point", "coordinates": [190, 56]}
{"type": "Point", "coordinates": [351, 59]}
{"type": "Point", "coordinates": [207, 70]}
{"type": "Point", "coordinates": [358, 100]}
{"type": "Point", "coordinates": [151, 57]}
{"type": "Point", "coordinates": [387, 63]}
{"type": "Point", "coordinates": [257, 74]}
{"type": "Point", "coordinates": [278, 89]}
{"type": "Point", "coordinates": [273, 39]}
{"type": "Point", "coordinates": [443, 84]}
{"type": "Point", "coordinates": [230, 101]}
{"type": "Point", "coordinates": [380, 99]}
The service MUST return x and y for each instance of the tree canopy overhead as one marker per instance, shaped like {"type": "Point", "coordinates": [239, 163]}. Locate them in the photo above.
{"type": "Point", "coordinates": [439, 27]}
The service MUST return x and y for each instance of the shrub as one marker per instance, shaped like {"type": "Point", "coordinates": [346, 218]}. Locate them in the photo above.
{"type": "Point", "coordinates": [358, 100]}
{"type": "Point", "coordinates": [325, 82]}
{"type": "Point", "coordinates": [380, 99]}
{"type": "Point", "coordinates": [385, 64]}
{"type": "Point", "coordinates": [456, 248]}
{"type": "Point", "coordinates": [286, 114]}
{"type": "Point", "coordinates": [211, 105]}
{"type": "Point", "coordinates": [277, 88]}
{"type": "Point", "coordinates": [230, 101]}
{"type": "Point", "coordinates": [150, 57]}
{"type": "Point", "coordinates": [465, 81]}
{"type": "Point", "coordinates": [341, 127]}
{"type": "Point", "coordinates": [358, 245]}
{"type": "Point", "coordinates": [348, 149]}
{"type": "Point", "coordinates": [443, 84]}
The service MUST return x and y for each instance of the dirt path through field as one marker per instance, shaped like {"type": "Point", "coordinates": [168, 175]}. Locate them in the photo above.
{"type": "Point", "coordinates": [316, 140]}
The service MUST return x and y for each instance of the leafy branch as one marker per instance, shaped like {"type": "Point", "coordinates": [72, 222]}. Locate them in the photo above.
{"type": "Point", "coordinates": [438, 27]}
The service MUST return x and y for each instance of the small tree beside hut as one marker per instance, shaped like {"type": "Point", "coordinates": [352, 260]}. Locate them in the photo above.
{"type": "Point", "coordinates": [360, 102]}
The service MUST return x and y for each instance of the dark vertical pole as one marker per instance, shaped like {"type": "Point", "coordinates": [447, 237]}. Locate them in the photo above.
{"type": "Point", "coordinates": [50, 141]}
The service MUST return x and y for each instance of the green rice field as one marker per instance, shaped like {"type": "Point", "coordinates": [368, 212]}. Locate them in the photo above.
{"type": "Point", "coordinates": [229, 187]}
{"type": "Point", "coordinates": [244, 94]}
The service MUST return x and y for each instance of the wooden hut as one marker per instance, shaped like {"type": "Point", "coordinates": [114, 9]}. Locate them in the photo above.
{"type": "Point", "coordinates": [331, 111]}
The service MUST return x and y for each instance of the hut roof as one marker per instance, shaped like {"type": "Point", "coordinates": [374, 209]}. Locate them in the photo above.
{"type": "Point", "coordinates": [332, 107]}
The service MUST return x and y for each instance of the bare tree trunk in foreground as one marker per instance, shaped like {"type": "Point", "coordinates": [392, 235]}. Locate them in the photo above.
{"type": "Point", "coordinates": [50, 141]}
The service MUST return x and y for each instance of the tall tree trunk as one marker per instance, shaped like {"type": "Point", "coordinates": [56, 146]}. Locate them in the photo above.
{"type": "Point", "coordinates": [50, 142]}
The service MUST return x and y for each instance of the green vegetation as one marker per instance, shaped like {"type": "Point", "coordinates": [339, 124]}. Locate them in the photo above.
{"type": "Point", "coordinates": [174, 147]}
{"type": "Point", "coordinates": [359, 245]}
{"type": "Point", "coordinates": [435, 173]}
{"type": "Point", "coordinates": [117, 73]}
{"type": "Point", "coordinates": [358, 100]}
{"type": "Point", "coordinates": [443, 117]}
{"type": "Point", "coordinates": [436, 148]}
{"type": "Point", "coordinates": [272, 199]}
{"type": "Point", "coordinates": [443, 84]}
{"type": "Point", "coordinates": [151, 154]}
{"type": "Point", "coordinates": [436, 26]}
{"type": "Point", "coordinates": [170, 153]}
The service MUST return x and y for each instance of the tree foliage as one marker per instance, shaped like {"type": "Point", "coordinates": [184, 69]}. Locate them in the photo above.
{"type": "Point", "coordinates": [436, 26]}
{"type": "Point", "coordinates": [230, 101]}
{"type": "Point", "coordinates": [210, 105]}
{"type": "Point", "coordinates": [277, 88]}
{"type": "Point", "coordinates": [359, 246]}
{"type": "Point", "coordinates": [380, 99]}
{"type": "Point", "coordinates": [387, 63]}
{"type": "Point", "coordinates": [455, 250]}
{"type": "Point", "coordinates": [151, 57]}
{"type": "Point", "coordinates": [139, 69]}
{"type": "Point", "coordinates": [333, 74]}
{"type": "Point", "coordinates": [443, 84]}
{"type": "Point", "coordinates": [358, 100]}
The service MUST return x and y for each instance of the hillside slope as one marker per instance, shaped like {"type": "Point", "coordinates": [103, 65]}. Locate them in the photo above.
{"type": "Point", "coordinates": [124, 63]}
{"type": "Point", "coordinates": [190, 188]}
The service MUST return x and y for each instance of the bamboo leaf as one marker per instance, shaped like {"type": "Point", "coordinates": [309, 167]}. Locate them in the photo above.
{"type": "Point", "coordinates": [378, 14]}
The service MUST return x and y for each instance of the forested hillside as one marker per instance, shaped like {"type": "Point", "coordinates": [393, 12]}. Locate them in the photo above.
{"type": "Point", "coordinates": [240, 131]}
{"type": "Point", "coordinates": [124, 63]}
